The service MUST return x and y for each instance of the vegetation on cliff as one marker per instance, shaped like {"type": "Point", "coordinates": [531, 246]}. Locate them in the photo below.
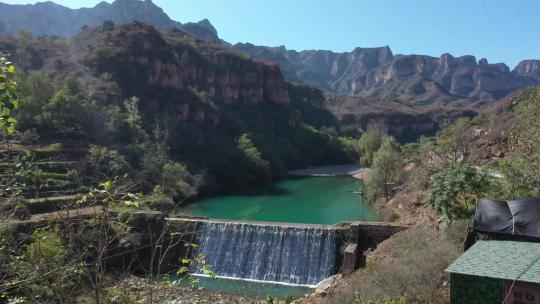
{"type": "Point", "coordinates": [163, 105]}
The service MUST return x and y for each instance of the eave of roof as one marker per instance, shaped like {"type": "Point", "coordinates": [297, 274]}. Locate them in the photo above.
{"type": "Point", "coordinates": [507, 260]}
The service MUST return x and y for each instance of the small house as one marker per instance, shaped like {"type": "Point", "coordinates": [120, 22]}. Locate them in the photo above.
{"type": "Point", "coordinates": [496, 272]}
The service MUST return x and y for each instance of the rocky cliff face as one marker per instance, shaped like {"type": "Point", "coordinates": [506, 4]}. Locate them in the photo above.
{"type": "Point", "coordinates": [174, 70]}
{"type": "Point", "coordinates": [405, 122]}
{"type": "Point", "coordinates": [414, 79]}
{"type": "Point", "coordinates": [528, 68]}
{"type": "Point", "coordinates": [49, 18]}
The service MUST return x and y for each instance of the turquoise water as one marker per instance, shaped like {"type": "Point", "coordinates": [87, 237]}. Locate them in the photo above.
{"type": "Point", "coordinates": [310, 200]}
{"type": "Point", "coordinates": [255, 290]}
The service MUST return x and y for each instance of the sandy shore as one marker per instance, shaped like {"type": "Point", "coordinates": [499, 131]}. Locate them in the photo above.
{"type": "Point", "coordinates": [353, 170]}
{"type": "Point", "coordinates": [363, 174]}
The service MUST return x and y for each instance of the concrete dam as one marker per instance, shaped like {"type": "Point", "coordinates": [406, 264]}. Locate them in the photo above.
{"type": "Point", "coordinates": [282, 253]}
{"type": "Point", "coordinates": [272, 252]}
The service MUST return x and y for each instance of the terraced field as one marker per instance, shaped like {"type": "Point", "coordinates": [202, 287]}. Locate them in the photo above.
{"type": "Point", "coordinates": [49, 172]}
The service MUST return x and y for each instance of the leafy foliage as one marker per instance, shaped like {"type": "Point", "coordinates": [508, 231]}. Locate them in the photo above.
{"type": "Point", "coordinates": [9, 101]}
{"type": "Point", "coordinates": [385, 169]}
{"type": "Point", "coordinates": [455, 140]}
{"type": "Point", "coordinates": [455, 190]}
{"type": "Point", "coordinates": [104, 163]}
{"type": "Point", "coordinates": [369, 144]}
{"type": "Point", "coordinates": [253, 165]}
{"type": "Point", "coordinates": [50, 274]}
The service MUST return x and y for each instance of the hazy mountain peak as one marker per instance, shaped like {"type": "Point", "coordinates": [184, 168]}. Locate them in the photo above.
{"type": "Point", "coordinates": [49, 18]}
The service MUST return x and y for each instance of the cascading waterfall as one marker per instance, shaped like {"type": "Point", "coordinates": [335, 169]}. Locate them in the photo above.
{"type": "Point", "coordinates": [284, 254]}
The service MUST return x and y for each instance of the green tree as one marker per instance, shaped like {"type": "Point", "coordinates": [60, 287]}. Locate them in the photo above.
{"type": "Point", "coordinates": [103, 163]}
{"type": "Point", "coordinates": [252, 164]}
{"type": "Point", "coordinates": [175, 181]}
{"type": "Point", "coordinates": [134, 120]}
{"type": "Point", "coordinates": [456, 189]}
{"type": "Point", "coordinates": [9, 100]}
{"type": "Point", "coordinates": [50, 273]}
{"type": "Point", "coordinates": [23, 53]}
{"type": "Point", "coordinates": [36, 92]}
{"type": "Point", "coordinates": [386, 167]}
{"type": "Point", "coordinates": [369, 143]}
{"type": "Point", "coordinates": [66, 112]}
{"type": "Point", "coordinates": [455, 141]}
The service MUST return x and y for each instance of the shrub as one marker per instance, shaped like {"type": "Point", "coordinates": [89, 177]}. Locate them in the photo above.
{"type": "Point", "coordinates": [104, 162]}
{"type": "Point", "coordinates": [455, 190]}
{"type": "Point", "coordinates": [57, 147]}
{"type": "Point", "coordinates": [160, 202]}
{"type": "Point", "coordinates": [51, 275]}
{"type": "Point", "coordinates": [252, 167]}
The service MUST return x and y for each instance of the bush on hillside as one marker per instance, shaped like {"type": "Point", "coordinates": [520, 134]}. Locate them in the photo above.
{"type": "Point", "coordinates": [456, 189]}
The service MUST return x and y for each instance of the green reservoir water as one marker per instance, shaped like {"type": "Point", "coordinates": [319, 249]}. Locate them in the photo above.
{"type": "Point", "coordinates": [310, 200]}
{"type": "Point", "coordinates": [256, 290]}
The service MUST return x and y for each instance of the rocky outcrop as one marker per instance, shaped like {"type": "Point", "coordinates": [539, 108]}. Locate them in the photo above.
{"type": "Point", "coordinates": [142, 59]}
{"type": "Point", "coordinates": [415, 79]}
{"type": "Point", "coordinates": [49, 18]}
{"type": "Point", "coordinates": [406, 123]}
{"type": "Point", "coordinates": [528, 68]}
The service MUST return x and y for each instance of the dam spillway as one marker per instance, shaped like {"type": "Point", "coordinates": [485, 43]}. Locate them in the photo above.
{"type": "Point", "coordinates": [286, 254]}
{"type": "Point", "coordinates": [275, 252]}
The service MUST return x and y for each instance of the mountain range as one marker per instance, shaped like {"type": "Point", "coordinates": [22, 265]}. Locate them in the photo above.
{"type": "Point", "coordinates": [49, 18]}
{"type": "Point", "coordinates": [407, 95]}
{"type": "Point", "coordinates": [366, 72]}
{"type": "Point", "coordinates": [415, 79]}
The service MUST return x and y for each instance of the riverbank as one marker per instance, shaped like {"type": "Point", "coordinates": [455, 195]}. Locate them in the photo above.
{"type": "Point", "coordinates": [353, 170]}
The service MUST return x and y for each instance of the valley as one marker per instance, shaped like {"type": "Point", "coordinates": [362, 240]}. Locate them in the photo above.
{"type": "Point", "coordinates": [147, 160]}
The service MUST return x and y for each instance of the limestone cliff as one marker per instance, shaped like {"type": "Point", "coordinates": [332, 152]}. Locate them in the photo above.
{"type": "Point", "coordinates": [528, 68]}
{"type": "Point", "coordinates": [405, 122]}
{"type": "Point", "coordinates": [149, 63]}
{"type": "Point", "coordinates": [415, 79]}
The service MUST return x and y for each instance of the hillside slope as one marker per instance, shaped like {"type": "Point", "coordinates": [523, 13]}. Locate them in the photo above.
{"type": "Point", "coordinates": [200, 96]}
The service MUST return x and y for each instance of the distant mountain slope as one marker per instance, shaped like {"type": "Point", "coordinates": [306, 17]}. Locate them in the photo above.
{"type": "Point", "coordinates": [416, 79]}
{"type": "Point", "coordinates": [49, 18]}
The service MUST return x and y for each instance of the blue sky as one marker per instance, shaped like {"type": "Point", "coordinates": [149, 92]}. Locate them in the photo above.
{"type": "Point", "coordinates": [500, 30]}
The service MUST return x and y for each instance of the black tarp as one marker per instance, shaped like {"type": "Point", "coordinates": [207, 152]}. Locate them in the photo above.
{"type": "Point", "coordinates": [519, 217]}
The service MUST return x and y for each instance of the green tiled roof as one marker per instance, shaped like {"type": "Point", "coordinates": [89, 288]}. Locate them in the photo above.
{"type": "Point", "coordinates": [502, 260]}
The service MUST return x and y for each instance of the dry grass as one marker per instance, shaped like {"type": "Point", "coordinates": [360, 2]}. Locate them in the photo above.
{"type": "Point", "coordinates": [410, 264]}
